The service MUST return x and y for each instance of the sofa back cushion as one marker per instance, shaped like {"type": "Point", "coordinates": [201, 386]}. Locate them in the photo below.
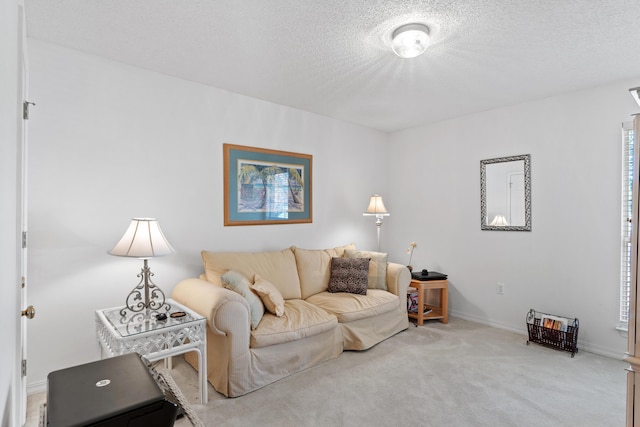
{"type": "Point", "coordinates": [278, 267]}
{"type": "Point", "coordinates": [314, 267]}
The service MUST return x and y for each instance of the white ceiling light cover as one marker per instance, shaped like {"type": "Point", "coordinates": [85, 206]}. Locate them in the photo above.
{"type": "Point", "coordinates": [410, 40]}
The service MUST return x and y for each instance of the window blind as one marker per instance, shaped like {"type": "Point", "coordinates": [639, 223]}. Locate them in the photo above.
{"type": "Point", "coordinates": [626, 228]}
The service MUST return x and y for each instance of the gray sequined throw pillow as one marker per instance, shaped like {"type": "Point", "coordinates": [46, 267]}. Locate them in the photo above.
{"type": "Point", "coordinates": [349, 275]}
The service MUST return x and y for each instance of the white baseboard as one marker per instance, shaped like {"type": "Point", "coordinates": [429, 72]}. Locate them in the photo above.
{"type": "Point", "coordinates": [37, 387]}
{"type": "Point", "coordinates": [582, 345]}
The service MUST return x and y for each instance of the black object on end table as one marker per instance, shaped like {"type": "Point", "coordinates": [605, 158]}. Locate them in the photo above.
{"type": "Point", "coordinates": [425, 275]}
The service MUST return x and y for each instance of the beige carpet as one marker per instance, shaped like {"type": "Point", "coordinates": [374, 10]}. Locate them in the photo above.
{"type": "Point", "coordinates": [460, 374]}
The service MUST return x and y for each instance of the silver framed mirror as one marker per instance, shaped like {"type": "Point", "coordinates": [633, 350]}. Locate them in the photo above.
{"type": "Point", "coordinates": [505, 193]}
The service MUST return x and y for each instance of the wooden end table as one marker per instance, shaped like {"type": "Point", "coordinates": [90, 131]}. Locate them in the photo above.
{"type": "Point", "coordinates": [437, 312]}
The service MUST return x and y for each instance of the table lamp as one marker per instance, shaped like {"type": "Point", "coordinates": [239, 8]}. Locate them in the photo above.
{"type": "Point", "coordinates": [144, 239]}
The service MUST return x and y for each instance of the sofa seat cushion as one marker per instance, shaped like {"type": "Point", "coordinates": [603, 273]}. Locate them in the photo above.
{"type": "Point", "coordinates": [349, 307]}
{"type": "Point", "coordinates": [300, 320]}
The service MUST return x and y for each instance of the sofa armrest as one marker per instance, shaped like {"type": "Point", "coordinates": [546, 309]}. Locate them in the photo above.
{"type": "Point", "coordinates": [398, 279]}
{"type": "Point", "coordinates": [211, 301]}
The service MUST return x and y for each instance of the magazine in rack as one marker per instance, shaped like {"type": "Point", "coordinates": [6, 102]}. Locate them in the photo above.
{"type": "Point", "coordinates": [426, 310]}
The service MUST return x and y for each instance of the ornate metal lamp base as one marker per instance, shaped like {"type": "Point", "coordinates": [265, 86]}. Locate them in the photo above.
{"type": "Point", "coordinates": [154, 299]}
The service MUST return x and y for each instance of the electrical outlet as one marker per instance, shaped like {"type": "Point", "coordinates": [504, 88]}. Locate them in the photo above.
{"type": "Point", "coordinates": [500, 289]}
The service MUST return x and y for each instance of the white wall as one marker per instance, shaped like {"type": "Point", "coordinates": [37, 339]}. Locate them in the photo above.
{"type": "Point", "coordinates": [109, 142]}
{"type": "Point", "coordinates": [569, 263]}
{"type": "Point", "coordinates": [9, 270]}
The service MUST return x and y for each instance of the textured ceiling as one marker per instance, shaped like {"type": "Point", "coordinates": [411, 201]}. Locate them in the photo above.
{"type": "Point", "coordinates": [333, 57]}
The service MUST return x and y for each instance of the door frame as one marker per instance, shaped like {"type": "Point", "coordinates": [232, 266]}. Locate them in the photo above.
{"type": "Point", "coordinates": [21, 212]}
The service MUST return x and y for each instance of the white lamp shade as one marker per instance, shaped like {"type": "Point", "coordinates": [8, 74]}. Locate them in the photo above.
{"type": "Point", "coordinates": [376, 206]}
{"type": "Point", "coordinates": [499, 220]}
{"type": "Point", "coordinates": [143, 239]}
{"type": "Point", "coordinates": [410, 40]}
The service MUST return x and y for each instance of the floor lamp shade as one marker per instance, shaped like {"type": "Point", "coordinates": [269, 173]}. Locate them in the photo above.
{"type": "Point", "coordinates": [376, 206]}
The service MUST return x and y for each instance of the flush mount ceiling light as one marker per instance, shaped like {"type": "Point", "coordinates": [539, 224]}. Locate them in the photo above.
{"type": "Point", "coordinates": [410, 40]}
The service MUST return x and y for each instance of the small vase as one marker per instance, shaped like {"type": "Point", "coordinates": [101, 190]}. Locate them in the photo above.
{"type": "Point", "coordinates": [410, 268]}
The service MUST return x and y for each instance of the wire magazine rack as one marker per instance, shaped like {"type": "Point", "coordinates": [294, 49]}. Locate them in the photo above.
{"type": "Point", "coordinates": [565, 338]}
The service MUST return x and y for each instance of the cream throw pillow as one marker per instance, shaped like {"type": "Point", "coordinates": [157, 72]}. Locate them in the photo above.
{"type": "Point", "coordinates": [270, 296]}
{"type": "Point", "coordinates": [240, 284]}
{"type": "Point", "coordinates": [377, 267]}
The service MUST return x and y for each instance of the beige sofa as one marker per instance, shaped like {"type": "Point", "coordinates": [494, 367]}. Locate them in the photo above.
{"type": "Point", "coordinates": [316, 326]}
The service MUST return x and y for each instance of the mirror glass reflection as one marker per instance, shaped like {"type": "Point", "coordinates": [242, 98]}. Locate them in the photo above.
{"type": "Point", "coordinates": [505, 189]}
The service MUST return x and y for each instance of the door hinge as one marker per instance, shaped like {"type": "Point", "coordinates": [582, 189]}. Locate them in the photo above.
{"type": "Point", "coordinates": [24, 367]}
{"type": "Point", "coordinates": [25, 109]}
{"type": "Point", "coordinates": [24, 240]}
{"type": "Point", "coordinates": [23, 282]}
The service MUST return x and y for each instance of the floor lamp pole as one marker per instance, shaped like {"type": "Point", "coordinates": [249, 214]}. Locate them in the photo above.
{"type": "Point", "coordinates": [378, 227]}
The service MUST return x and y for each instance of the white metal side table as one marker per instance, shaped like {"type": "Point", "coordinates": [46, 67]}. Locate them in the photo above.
{"type": "Point", "coordinates": [121, 331]}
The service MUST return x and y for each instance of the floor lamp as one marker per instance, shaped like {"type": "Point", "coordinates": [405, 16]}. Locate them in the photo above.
{"type": "Point", "coordinates": [376, 208]}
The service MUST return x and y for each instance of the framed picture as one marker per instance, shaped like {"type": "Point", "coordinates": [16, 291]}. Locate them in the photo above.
{"type": "Point", "coordinates": [266, 186]}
